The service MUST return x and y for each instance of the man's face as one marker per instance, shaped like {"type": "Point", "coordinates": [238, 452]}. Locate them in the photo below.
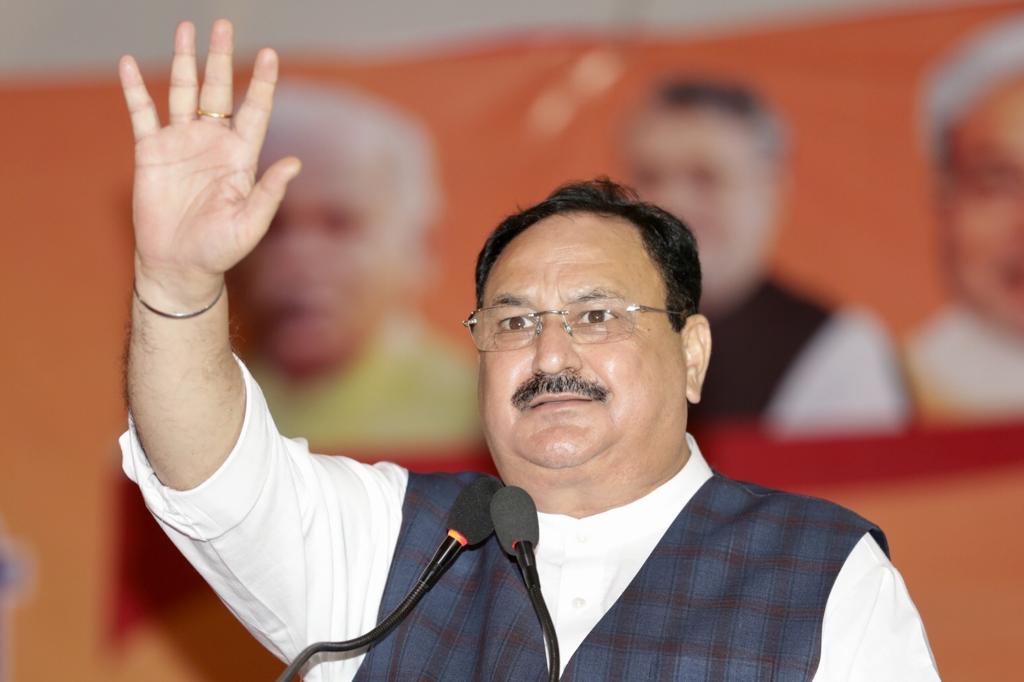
{"type": "Point", "coordinates": [638, 430]}
{"type": "Point", "coordinates": [320, 281]}
{"type": "Point", "coordinates": [983, 207]}
{"type": "Point", "coordinates": [706, 168]}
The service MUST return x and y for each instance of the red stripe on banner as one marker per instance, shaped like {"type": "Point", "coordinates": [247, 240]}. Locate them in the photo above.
{"type": "Point", "coordinates": [152, 574]}
{"type": "Point", "coordinates": [748, 453]}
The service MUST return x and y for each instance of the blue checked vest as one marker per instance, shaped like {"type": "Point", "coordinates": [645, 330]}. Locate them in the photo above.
{"type": "Point", "coordinates": [735, 590]}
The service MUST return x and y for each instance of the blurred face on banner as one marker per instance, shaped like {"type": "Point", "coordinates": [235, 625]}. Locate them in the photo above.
{"type": "Point", "coordinates": [343, 250]}
{"type": "Point", "coordinates": [635, 431]}
{"type": "Point", "coordinates": [708, 169]}
{"type": "Point", "coordinates": [983, 206]}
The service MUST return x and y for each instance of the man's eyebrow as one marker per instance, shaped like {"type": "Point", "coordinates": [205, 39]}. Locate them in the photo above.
{"type": "Point", "coordinates": [508, 299]}
{"type": "Point", "coordinates": [596, 294]}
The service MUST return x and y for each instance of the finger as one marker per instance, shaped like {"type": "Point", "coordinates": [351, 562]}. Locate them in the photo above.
{"type": "Point", "coordinates": [266, 195]}
{"type": "Point", "coordinates": [216, 95]}
{"type": "Point", "coordinates": [254, 114]}
{"type": "Point", "coordinates": [140, 105]}
{"type": "Point", "coordinates": [183, 97]}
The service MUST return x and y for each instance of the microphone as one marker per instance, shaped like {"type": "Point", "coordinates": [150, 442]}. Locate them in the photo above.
{"type": "Point", "coordinates": [515, 523]}
{"type": "Point", "coordinates": [469, 523]}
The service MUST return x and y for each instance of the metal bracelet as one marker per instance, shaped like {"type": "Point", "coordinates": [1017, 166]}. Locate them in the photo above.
{"type": "Point", "coordinates": [176, 316]}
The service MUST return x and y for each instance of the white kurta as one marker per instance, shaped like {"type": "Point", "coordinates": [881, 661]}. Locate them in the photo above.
{"type": "Point", "coordinates": [299, 546]}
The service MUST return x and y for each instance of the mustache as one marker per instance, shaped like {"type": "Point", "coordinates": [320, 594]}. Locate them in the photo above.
{"type": "Point", "coordinates": [564, 382]}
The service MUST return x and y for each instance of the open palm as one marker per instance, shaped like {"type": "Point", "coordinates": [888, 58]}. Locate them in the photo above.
{"type": "Point", "coordinates": [198, 209]}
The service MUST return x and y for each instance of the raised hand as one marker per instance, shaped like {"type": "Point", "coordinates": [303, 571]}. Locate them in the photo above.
{"type": "Point", "coordinates": [198, 208]}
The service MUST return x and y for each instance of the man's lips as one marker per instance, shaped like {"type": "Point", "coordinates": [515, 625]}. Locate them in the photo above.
{"type": "Point", "coordinates": [559, 398]}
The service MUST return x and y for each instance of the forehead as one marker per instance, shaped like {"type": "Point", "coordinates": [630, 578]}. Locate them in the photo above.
{"type": "Point", "coordinates": [563, 257]}
{"type": "Point", "coordinates": [348, 182]}
{"type": "Point", "coordinates": [995, 123]}
{"type": "Point", "coordinates": [661, 133]}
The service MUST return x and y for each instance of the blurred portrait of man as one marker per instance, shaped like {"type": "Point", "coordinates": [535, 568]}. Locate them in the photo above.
{"type": "Point", "coordinates": [331, 294]}
{"type": "Point", "coordinates": [968, 360]}
{"type": "Point", "coordinates": [713, 153]}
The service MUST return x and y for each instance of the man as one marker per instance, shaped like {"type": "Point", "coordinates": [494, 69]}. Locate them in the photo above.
{"type": "Point", "coordinates": [967, 362]}
{"type": "Point", "coordinates": [342, 355]}
{"type": "Point", "coordinates": [714, 155]}
{"type": "Point", "coordinates": [590, 346]}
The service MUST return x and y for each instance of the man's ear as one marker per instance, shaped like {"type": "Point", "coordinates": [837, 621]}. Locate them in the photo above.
{"type": "Point", "coordinates": [696, 339]}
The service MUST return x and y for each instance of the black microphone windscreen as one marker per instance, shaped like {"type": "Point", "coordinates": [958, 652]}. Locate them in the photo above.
{"type": "Point", "coordinates": [470, 514]}
{"type": "Point", "coordinates": [515, 517]}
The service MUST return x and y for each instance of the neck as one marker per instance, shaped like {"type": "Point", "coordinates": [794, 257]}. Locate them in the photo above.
{"type": "Point", "coordinates": [721, 304]}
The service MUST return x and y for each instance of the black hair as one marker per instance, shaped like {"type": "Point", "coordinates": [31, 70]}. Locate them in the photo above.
{"type": "Point", "coordinates": [730, 98]}
{"type": "Point", "coordinates": [667, 240]}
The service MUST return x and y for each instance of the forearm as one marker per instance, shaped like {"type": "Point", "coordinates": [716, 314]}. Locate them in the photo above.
{"type": "Point", "coordinates": [198, 210]}
{"type": "Point", "coordinates": [185, 391]}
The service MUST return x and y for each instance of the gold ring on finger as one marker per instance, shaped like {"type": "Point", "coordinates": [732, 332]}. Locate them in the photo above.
{"type": "Point", "coordinates": [213, 114]}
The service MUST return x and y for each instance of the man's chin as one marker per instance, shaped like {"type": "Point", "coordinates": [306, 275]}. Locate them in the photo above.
{"type": "Point", "coordinates": [1012, 320]}
{"type": "Point", "coordinates": [557, 454]}
{"type": "Point", "coordinates": [1003, 306]}
{"type": "Point", "coordinates": [300, 360]}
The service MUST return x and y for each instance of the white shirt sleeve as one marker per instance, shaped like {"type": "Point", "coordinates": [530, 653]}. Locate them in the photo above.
{"type": "Point", "coordinates": [847, 379]}
{"type": "Point", "coordinates": [872, 631]}
{"type": "Point", "coordinates": [297, 545]}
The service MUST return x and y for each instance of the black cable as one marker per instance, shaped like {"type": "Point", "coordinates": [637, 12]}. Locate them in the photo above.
{"type": "Point", "coordinates": [383, 628]}
{"type": "Point", "coordinates": [525, 559]}
{"type": "Point", "coordinates": [469, 523]}
{"type": "Point", "coordinates": [547, 626]}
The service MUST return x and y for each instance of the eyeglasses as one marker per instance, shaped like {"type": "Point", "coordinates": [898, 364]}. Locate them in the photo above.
{"type": "Point", "coordinates": [510, 327]}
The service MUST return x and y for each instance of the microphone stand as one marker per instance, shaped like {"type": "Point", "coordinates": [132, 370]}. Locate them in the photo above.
{"type": "Point", "coordinates": [469, 515]}
{"type": "Point", "coordinates": [528, 565]}
{"type": "Point", "coordinates": [443, 558]}
{"type": "Point", "coordinates": [382, 629]}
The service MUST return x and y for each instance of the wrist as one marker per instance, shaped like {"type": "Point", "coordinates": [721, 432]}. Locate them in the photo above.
{"type": "Point", "coordinates": [176, 292]}
{"type": "Point", "coordinates": [176, 315]}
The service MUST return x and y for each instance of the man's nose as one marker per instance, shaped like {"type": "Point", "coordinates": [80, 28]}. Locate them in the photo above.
{"type": "Point", "coordinates": [554, 349]}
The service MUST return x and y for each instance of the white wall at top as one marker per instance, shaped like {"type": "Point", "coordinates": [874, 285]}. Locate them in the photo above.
{"type": "Point", "coordinates": [39, 37]}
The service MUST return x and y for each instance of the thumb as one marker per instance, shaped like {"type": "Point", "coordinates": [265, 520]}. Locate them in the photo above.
{"type": "Point", "coordinates": [267, 194]}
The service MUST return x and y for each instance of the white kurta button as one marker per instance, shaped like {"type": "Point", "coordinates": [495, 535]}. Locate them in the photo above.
{"type": "Point", "coordinates": [579, 602]}
{"type": "Point", "coordinates": [582, 537]}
